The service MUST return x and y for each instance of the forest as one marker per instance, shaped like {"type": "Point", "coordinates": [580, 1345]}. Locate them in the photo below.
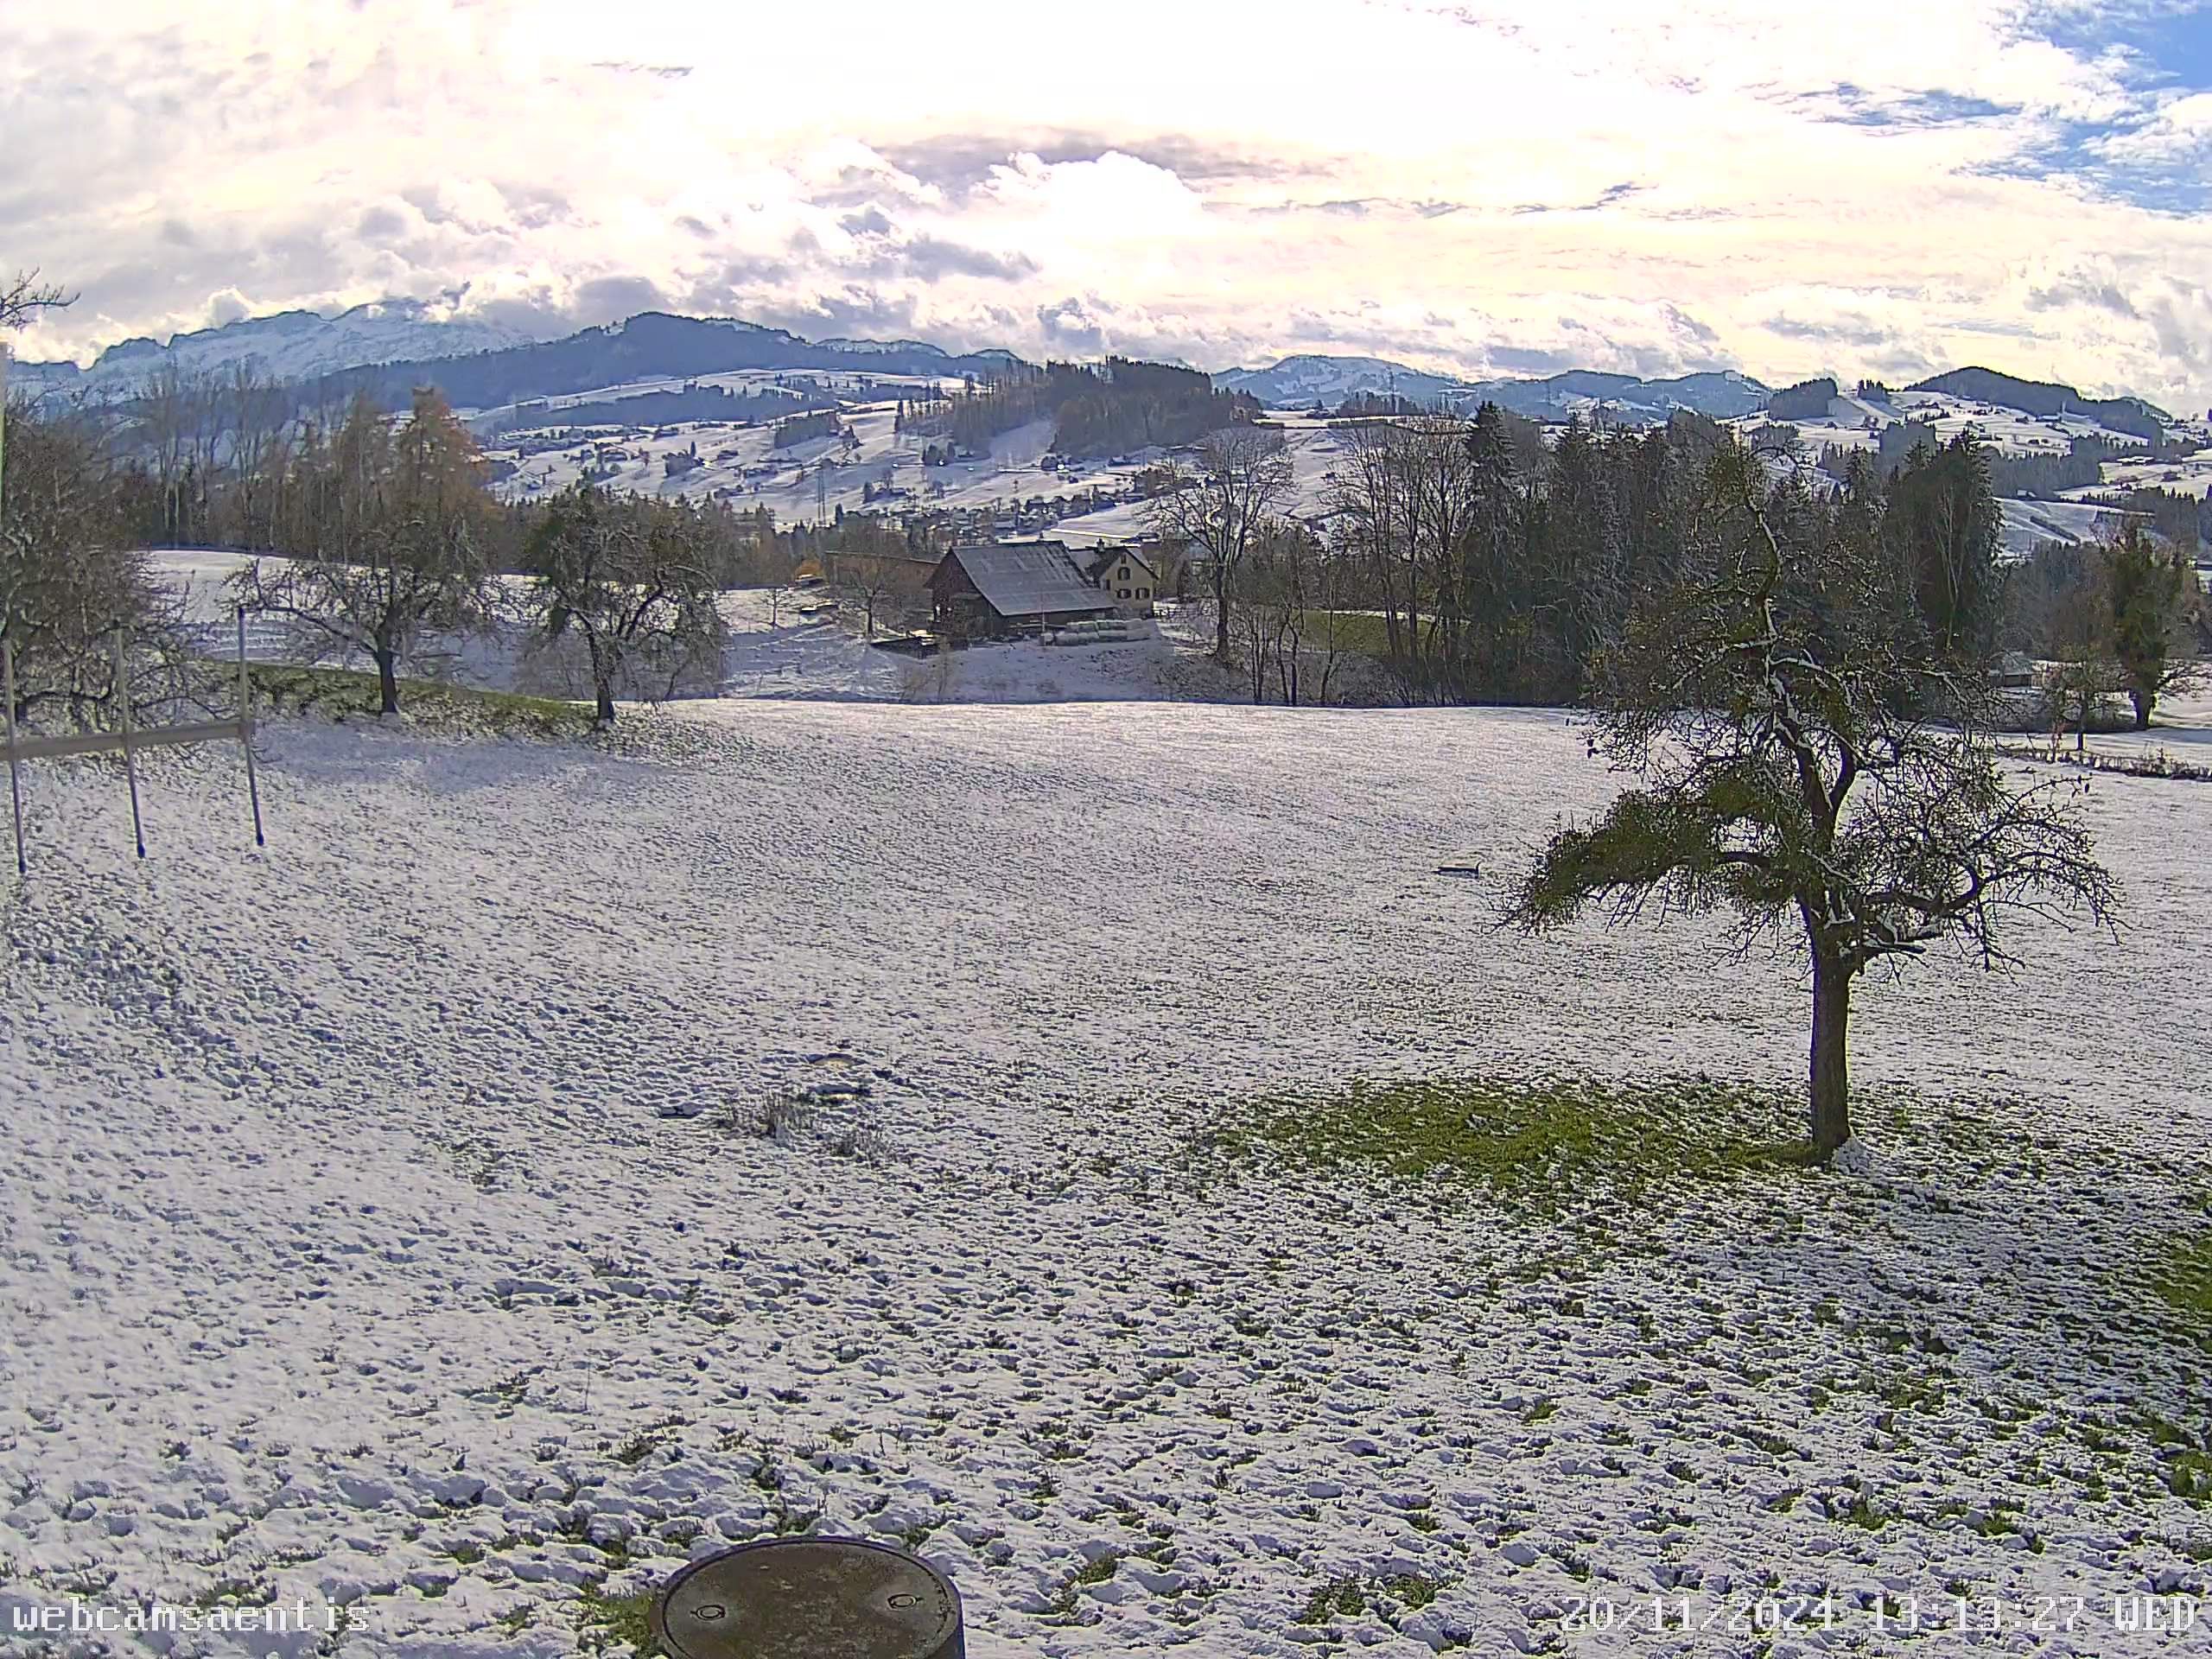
{"type": "Point", "coordinates": [1096, 412]}
{"type": "Point", "coordinates": [1475, 565]}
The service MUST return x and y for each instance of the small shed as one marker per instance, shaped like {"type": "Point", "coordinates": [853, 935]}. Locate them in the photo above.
{"type": "Point", "coordinates": [994, 591]}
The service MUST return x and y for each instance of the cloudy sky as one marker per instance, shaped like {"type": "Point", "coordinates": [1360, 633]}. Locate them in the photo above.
{"type": "Point", "coordinates": [1494, 187]}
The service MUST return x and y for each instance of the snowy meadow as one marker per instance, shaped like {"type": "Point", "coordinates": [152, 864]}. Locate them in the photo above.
{"type": "Point", "coordinates": [548, 1161]}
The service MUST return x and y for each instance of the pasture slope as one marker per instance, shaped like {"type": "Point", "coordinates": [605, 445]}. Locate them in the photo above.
{"type": "Point", "coordinates": [548, 1161]}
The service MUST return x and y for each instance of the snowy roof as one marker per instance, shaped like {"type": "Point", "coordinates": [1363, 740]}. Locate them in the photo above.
{"type": "Point", "coordinates": [1028, 578]}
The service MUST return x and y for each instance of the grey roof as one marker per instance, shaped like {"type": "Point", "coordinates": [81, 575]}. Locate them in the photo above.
{"type": "Point", "coordinates": [1028, 579]}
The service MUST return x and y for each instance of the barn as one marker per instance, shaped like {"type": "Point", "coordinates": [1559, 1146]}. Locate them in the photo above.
{"type": "Point", "coordinates": [991, 592]}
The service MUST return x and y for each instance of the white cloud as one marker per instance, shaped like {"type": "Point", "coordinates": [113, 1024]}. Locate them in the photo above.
{"type": "Point", "coordinates": [1472, 186]}
{"type": "Point", "coordinates": [2180, 132]}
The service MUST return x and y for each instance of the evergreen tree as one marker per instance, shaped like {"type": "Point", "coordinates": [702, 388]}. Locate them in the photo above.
{"type": "Point", "coordinates": [2145, 588]}
{"type": "Point", "coordinates": [1945, 529]}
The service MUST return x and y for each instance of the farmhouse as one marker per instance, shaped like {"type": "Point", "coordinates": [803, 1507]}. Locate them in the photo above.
{"type": "Point", "coordinates": [1119, 574]}
{"type": "Point", "coordinates": [1011, 587]}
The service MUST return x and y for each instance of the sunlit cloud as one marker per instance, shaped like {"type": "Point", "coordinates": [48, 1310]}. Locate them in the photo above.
{"type": "Point", "coordinates": [1475, 189]}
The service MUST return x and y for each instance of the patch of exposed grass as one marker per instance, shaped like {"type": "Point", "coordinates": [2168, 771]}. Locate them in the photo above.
{"type": "Point", "coordinates": [344, 693]}
{"type": "Point", "coordinates": [2190, 1476]}
{"type": "Point", "coordinates": [1099, 1570]}
{"type": "Point", "coordinates": [605, 1621]}
{"type": "Point", "coordinates": [1542, 1143]}
{"type": "Point", "coordinates": [1340, 1597]}
{"type": "Point", "coordinates": [1358, 632]}
{"type": "Point", "coordinates": [2184, 1278]}
{"type": "Point", "coordinates": [1414, 1591]}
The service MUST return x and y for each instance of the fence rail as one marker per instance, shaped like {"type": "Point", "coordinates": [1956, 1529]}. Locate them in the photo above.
{"type": "Point", "coordinates": [127, 741]}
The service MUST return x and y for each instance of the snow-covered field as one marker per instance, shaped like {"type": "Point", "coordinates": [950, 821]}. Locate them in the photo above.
{"type": "Point", "coordinates": [783, 643]}
{"type": "Point", "coordinates": [388, 1222]}
{"type": "Point", "coordinates": [2028, 524]}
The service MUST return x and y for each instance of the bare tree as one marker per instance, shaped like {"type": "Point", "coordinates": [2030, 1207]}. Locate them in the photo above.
{"type": "Point", "coordinates": [1811, 762]}
{"type": "Point", "coordinates": [1243, 477]}
{"type": "Point", "coordinates": [389, 551]}
{"type": "Point", "coordinates": [22, 294]}
{"type": "Point", "coordinates": [72, 573]}
{"type": "Point", "coordinates": [634, 581]}
{"type": "Point", "coordinates": [1284, 593]}
{"type": "Point", "coordinates": [883, 585]}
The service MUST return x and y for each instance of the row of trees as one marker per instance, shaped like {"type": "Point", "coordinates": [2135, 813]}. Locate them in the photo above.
{"type": "Point", "coordinates": [392, 549]}
{"type": "Point", "coordinates": [396, 555]}
{"type": "Point", "coordinates": [1496, 566]}
{"type": "Point", "coordinates": [1478, 563]}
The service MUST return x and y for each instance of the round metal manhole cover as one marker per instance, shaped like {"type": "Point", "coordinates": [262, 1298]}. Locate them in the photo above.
{"type": "Point", "coordinates": [809, 1598]}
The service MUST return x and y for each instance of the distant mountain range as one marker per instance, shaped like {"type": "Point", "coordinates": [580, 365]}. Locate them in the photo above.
{"type": "Point", "coordinates": [289, 346]}
{"type": "Point", "coordinates": [389, 348]}
{"type": "Point", "coordinates": [1300, 381]}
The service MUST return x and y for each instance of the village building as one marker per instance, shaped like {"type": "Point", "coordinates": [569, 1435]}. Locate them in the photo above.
{"type": "Point", "coordinates": [1120, 574]}
{"type": "Point", "coordinates": [1008, 588]}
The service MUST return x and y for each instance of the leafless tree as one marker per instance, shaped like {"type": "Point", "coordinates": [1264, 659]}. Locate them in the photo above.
{"type": "Point", "coordinates": [1286, 604]}
{"type": "Point", "coordinates": [884, 585]}
{"type": "Point", "coordinates": [22, 294]}
{"type": "Point", "coordinates": [387, 546]}
{"type": "Point", "coordinates": [634, 581]}
{"type": "Point", "coordinates": [1405, 503]}
{"type": "Point", "coordinates": [1243, 478]}
{"type": "Point", "coordinates": [73, 574]}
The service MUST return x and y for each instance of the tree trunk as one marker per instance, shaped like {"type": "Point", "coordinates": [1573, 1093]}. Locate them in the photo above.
{"type": "Point", "coordinates": [604, 715]}
{"type": "Point", "coordinates": [387, 680]}
{"type": "Point", "coordinates": [1831, 1084]}
{"type": "Point", "coordinates": [2144, 701]}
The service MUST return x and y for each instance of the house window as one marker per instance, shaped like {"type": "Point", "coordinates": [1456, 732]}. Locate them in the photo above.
{"type": "Point", "coordinates": [1120, 592]}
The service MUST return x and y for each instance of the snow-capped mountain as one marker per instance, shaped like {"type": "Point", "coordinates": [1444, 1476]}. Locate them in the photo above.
{"type": "Point", "coordinates": [1300, 381]}
{"type": "Point", "coordinates": [1621, 398]}
{"type": "Point", "coordinates": [291, 346]}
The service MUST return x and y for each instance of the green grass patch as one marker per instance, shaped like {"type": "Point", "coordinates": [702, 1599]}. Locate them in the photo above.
{"type": "Point", "coordinates": [346, 693]}
{"type": "Point", "coordinates": [1338, 1598]}
{"type": "Point", "coordinates": [2184, 1278]}
{"type": "Point", "coordinates": [1544, 1142]}
{"type": "Point", "coordinates": [604, 1621]}
{"type": "Point", "coordinates": [1099, 1570]}
{"type": "Point", "coordinates": [1414, 1591]}
{"type": "Point", "coordinates": [2190, 1476]}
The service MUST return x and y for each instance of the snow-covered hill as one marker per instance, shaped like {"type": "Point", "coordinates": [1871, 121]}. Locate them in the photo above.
{"type": "Point", "coordinates": [544, 1164]}
{"type": "Point", "coordinates": [1300, 381]}
{"type": "Point", "coordinates": [293, 345]}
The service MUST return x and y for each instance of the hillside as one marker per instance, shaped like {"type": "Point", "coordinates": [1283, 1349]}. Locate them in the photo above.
{"type": "Point", "coordinates": [388, 348]}
{"type": "Point", "coordinates": [2130, 415]}
{"type": "Point", "coordinates": [1300, 381]}
{"type": "Point", "coordinates": [652, 345]}
{"type": "Point", "coordinates": [545, 1162]}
